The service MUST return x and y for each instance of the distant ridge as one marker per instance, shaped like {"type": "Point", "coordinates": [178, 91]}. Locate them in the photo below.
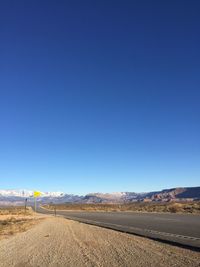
{"type": "Point", "coordinates": [16, 197]}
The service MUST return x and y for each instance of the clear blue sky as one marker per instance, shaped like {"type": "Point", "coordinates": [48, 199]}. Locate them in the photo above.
{"type": "Point", "coordinates": [99, 95]}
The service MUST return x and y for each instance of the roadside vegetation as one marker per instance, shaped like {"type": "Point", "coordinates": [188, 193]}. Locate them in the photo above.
{"type": "Point", "coordinates": [171, 207]}
{"type": "Point", "coordinates": [18, 210]}
{"type": "Point", "coordinates": [15, 219]}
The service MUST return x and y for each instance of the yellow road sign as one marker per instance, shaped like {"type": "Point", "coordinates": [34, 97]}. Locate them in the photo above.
{"type": "Point", "coordinates": [36, 194]}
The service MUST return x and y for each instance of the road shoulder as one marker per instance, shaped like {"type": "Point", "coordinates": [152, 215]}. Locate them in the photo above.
{"type": "Point", "coordinates": [60, 242]}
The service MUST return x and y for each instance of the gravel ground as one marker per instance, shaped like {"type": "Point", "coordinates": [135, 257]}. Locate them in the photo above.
{"type": "Point", "coordinates": [58, 242]}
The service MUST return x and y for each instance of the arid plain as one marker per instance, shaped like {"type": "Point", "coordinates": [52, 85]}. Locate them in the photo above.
{"type": "Point", "coordinates": [42, 240]}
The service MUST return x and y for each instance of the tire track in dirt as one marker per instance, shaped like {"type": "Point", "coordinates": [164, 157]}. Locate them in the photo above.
{"type": "Point", "coordinates": [89, 259]}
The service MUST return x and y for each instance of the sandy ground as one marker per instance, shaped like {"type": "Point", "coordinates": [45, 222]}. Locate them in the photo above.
{"type": "Point", "coordinates": [60, 242]}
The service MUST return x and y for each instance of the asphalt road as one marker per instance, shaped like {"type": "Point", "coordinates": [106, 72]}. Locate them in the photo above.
{"type": "Point", "coordinates": [179, 229]}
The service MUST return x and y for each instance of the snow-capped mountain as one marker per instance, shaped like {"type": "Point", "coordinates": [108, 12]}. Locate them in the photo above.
{"type": "Point", "coordinates": [16, 193]}
{"type": "Point", "coordinates": [27, 193]}
{"type": "Point", "coordinates": [17, 197]}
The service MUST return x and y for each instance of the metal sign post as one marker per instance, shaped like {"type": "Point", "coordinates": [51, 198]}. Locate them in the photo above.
{"type": "Point", "coordinates": [25, 204]}
{"type": "Point", "coordinates": [35, 204]}
{"type": "Point", "coordinates": [55, 210]}
{"type": "Point", "coordinates": [36, 194]}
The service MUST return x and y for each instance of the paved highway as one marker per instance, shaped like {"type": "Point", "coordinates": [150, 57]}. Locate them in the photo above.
{"type": "Point", "coordinates": [179, 229]}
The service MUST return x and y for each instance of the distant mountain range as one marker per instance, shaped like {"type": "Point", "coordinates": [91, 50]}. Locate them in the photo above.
{"type": "Point", "coordinates": [28, 193]}
{"type": "Point", "coordinates": [17, 197]}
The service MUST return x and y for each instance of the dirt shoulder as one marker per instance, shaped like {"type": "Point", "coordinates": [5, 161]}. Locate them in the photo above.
{"type": "Point", "coordinates": [60, 242]}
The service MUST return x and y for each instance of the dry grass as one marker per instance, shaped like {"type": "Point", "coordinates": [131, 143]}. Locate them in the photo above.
{"type": "Point", "coordinates": [15, 219]}
{"type": "Point", "coordinates": [172, 207]}
{"type": "Point", "coordinates": [15, 211]}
